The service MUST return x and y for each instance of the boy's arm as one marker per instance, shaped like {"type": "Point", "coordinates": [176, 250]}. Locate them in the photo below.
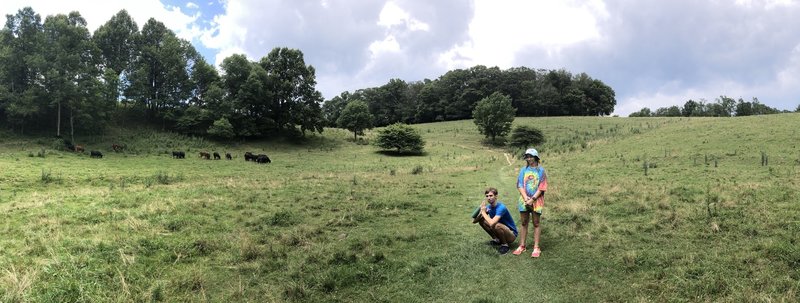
{"type": "Point", "coordinates": [489, 220]}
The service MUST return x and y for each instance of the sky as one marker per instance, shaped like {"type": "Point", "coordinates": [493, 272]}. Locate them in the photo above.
{"type": "Point", "coordinates": [653, 53]}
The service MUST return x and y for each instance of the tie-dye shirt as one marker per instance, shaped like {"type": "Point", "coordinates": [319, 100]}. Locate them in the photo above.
{"type": "Point", "coordinates": [532, 179]}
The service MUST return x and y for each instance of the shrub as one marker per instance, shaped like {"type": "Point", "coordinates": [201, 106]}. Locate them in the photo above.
{"type": "Point", "coordinates": [222, 128]}
{"type": "Point", "coordinates": [525, 136]}
{"type": "Point", "coordinates": [401, 138]}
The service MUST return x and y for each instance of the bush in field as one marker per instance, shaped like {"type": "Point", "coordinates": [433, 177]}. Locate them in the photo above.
{"type": "Point", "coordinates": [400, 137]}
{"type": "Point", "coordinates": [494, 115]}
{"type": "Point", "coordinates": [222, 128]}
{"type": "Point", "coordinates": [526, 136]}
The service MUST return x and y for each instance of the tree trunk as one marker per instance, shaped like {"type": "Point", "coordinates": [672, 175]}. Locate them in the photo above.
{"type": "Point", "coordinates": [58, 120]}
{"type": "Point", "coordinates": [71, 125]}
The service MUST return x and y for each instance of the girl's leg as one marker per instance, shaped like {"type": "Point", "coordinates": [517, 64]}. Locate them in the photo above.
{"type": "Point", "coordinates": [536, 229]}
{"type": "Point", "coordinates": [523, 232]}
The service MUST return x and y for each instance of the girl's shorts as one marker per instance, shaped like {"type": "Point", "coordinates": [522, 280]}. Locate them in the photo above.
{"type": "Point", "coordinates": [538, 205]}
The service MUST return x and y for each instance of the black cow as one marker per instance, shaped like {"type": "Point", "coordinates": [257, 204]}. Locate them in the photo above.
{"type": "Point", "coordinates": [95, 154]}
{"type": "Point", "coordinates": [216, 156]}
{"type": "Point", "coordinates": [248, 156]}
{"type": "Point", "coordinates": [178, 155]}
{"type": "Point", "coordinates": [228, 156]}
{"type": "Point", "coordinates": [262, 158]}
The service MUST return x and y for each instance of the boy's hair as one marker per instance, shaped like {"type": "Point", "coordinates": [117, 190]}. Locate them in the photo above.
{"type": "Point", "coordinates": [491, 189]}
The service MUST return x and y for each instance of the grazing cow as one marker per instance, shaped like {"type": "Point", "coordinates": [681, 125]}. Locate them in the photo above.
{"type": "Point", "coordinates": [228, 156]}
{"type": "Point", "coordinates": [262, 158]}
{"type": "Point", "coordinates": [248, 156]}
{"type": "Point", "coordinates": [68, 145]}
{"type": "Point", "coordinates": [216, 156]}
{"type": "Point", "coordinates": [95, 154]}
{"type": "Point", "coordinates": [117, 147]}
{"type": "Point", "coordinates": [178, 155]}
{"type": "Point", "coordinates": [205, 155]}
{"type": "Point", "coordinates": [79, 149]}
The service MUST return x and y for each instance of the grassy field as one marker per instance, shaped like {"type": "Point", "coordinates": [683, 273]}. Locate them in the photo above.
{"type": "Point", "coordinates": [638, 209]}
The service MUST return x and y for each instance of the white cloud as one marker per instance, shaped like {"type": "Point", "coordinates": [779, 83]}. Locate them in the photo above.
{"type": "Point", "coordinates": [192, 5]}
{"type": "Point", "coordinates": [500, 30]}
{"type": "Point", "coordinates": [392, 15]}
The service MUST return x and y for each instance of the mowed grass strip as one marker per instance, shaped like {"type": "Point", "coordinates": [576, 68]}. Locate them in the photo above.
{"type": "Point", "coordinates": [333, 220]}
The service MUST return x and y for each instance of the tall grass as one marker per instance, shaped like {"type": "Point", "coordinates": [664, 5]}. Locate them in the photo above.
{"type": "Point", "coordinates": [330, 220]}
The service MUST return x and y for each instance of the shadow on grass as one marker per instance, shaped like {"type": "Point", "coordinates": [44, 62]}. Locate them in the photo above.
{"type": "Point", "coordinates": [394, 153]}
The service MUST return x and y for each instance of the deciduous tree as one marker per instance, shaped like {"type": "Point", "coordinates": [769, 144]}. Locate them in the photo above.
{"type": "Point", "coordinates": [494, 115]}
{"type": "Point", "coordinates": [356, 118]}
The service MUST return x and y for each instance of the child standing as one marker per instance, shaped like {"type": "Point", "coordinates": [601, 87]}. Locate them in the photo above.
{"type": "Point", "coordinates": [532, 184]}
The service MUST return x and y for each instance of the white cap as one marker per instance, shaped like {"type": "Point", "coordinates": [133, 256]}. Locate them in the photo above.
{"type": "Point", "coordinates": [531, 152]}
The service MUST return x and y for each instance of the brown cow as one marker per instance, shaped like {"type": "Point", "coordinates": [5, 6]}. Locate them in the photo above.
{"type": "Point", "coordinates": [79, 149]}
{"type": "Point", "coordinates": [205, 155]}
{"type": "Point", "coordinates": [117, 147]}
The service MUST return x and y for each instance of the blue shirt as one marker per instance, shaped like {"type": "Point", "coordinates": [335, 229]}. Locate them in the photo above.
{"type": "Point", "coordinates": [500, 209]}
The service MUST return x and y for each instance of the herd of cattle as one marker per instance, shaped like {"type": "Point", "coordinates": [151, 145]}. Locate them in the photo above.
{"type": "Point", "coordinates": [248, 156]}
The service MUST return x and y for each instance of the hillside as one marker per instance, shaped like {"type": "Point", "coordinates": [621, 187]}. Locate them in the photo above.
{"type": "Point", "coordinates": [332, 220]}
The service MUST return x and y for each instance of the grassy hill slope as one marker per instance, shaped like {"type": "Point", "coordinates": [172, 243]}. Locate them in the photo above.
{"type": "Point", "coordinates": [331, 220]}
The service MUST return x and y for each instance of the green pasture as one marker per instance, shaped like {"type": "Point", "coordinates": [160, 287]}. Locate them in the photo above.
{"type": "Point", "coordinates": [638, 209]}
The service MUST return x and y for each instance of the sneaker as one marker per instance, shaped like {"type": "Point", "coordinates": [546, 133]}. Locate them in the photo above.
{"type": "Point", "coordinates": [520, 249]}
{"type": "Point", "coordinates": [536, 252]}
{"type": "Point", "coordinates": [503, 249]}
{"type": "Point", "coordinates": [493, 242]}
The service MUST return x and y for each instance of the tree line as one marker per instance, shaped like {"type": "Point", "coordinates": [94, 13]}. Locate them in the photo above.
{"type": "Point", "coordinates": [454, 95]}
{"type": "Point", "coordinates": [56, 75]}
{"type": "Point", "coordinates": [722, 107]}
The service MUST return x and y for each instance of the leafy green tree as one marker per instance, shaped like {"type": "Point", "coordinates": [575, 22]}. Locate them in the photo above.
{"type": "Point", "coordinates": [387, 102]}
{"type": "Point", "coordinates": [160, 74]}
{"type": "Point", "coordinates": [644, 112]}
{"type": "Point", "coordinates": [236, 69]}
{"type": "Point", "coordinates": [222, 128]}
{"type": "Point", "coordinates": [332, 109]}
{"type": "Point", "coordinates": [727, 104]}
{"type": "Point", "coordinates": [194, 120]}
{"type": "Point", "coordinates": [116, 40]}
{"type": "Point", "coordinates": [355, 117]}
{"type": "Point", "coordinates": [71, 75]}
{"type": "Point", "coordinates": [525, 136]}
{"type": "Point", "coordinates": [690, 109]}
{"type": "Point", "coordinates": [203, 76]}
{"type": "Point", "coordinates": [494, 115]}
{"type": "Point", "coordinates": [400, 138]}
{"type": "Point", "coordinates": [253, 103]}
{"type": "Point", "coordinates": [672, 111]}
{"type": "Point", "coordinates": [21, 65]}
{"type": "Point", "coordinates": [21, 107]}
{"type": "Point", "coordinates": [291, 83]}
